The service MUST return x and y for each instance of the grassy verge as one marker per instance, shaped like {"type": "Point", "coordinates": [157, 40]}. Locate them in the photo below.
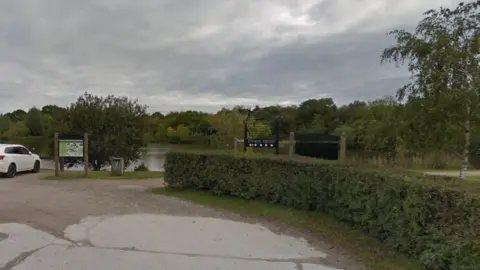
{"type": "Point", "coordinates": [475, 178]}
{"type": "Point", "coordinates": [105, 175]}
{"type": "Point", "coordinates": [364, 248]}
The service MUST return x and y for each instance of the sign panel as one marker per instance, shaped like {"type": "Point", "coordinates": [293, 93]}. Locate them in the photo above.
{"type": "Point", "coordinates": [70, 147]}
{"type": "Point", "coordinates": [258, 143]}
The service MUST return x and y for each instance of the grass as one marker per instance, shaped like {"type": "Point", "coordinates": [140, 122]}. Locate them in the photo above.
{"type": "Point", "coordinates": [104, 175]}
{"type": "Point", "coordinates": [361, 247]}
{"type": "Point", "coordinates": [475, 178]}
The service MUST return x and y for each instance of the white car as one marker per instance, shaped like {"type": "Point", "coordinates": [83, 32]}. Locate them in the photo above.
{"type": "Point", "coordinates": [17, 158]}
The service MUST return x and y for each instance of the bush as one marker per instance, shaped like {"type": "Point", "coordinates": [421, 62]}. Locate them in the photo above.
{"type": "Point", "coordinates": [37, 144]}
{"type": "Point", "coordinates": [436, 222]}
{"type": "Point", "coordinates": [141, 168]}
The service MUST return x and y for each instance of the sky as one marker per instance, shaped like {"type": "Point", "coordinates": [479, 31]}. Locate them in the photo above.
{"type": "Point", "coordinates": [200, 55]}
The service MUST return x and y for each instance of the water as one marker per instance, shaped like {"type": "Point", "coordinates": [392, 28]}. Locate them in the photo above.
{"type": "Point", "coordinates": [153, 157]}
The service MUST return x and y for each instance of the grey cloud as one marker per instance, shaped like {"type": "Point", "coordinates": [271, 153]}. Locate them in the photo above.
{"type": "Point", "coordinates": [176, 55]}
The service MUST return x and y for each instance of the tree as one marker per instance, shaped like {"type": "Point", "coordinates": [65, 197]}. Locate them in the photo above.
{"type": "Point", "coordinates": [158, 115]}
{"type": "Point", "coordinates": [178, 135]}
{"type": "Point", "coordinates": [443, 58]}
{"type": "Point", "coordinates": [258, 129]}
{"type": "Point", "coordinates": [52, 109]}
{"type": "Point", "coordinates": [116, 127]}
{"type": "Point", "coordinates": [19, 129]}
{"type": "Point", "coordinates": [172, 135]}
{"type": "Point", "coordinates": [5, 123]}
{"type": "Point", "coordinates": [55, 120]}
{"type": "Point", "coordinates": [35, 122]}
{"type": "Point", "coordinates": [183, 132]}
{"type": "Point", "coordinates": [228, 125]}
{"type": "Point", "coordinates": [317, 113]}
{"type": "Point", "coordinates": [160, 132]}
{"type": "Point", "coordinates": [17, 115]}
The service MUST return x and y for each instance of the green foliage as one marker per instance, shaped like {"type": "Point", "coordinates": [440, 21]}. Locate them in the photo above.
{"type": "Point", "coordinates": [35, 122]}
{"type": "Point", "coordinates": [38, 144]}
{"type": "Point", "coordinates": [116, 127]}
{"type": "Point", "coordinates": [17, 115]}
{"type": "Point", "coordinates": [5, 124]}
{"type": "Point", "coordinates": [434, 222]}
{"type": "Point", "coordinates": [177, 135]}
{"type": "Point", "coordinates": [141, 168]}
{"type": "Point", "coordinates": [317, 116]}
{"type": "Point", "coordinates": [443, 56]}
{"type": "Point", "coordinates": [160, 132]}
{"type": "Point", "coordinates": [258, 129]}
{"type": "Point", "coordinates": [19, 129]}
{"type": "Point", "coordinates": [182, 132]}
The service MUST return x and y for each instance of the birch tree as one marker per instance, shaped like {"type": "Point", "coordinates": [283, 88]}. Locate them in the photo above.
{"type": "Point", "coordinates": [442, 55]}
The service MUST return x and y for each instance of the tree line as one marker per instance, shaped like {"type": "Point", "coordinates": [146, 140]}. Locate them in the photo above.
{"type": "Point", "coordinates": [384, 126]}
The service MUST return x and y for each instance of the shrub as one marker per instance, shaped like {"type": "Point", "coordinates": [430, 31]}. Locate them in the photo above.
{"type": "Point", "coordinates": [141, 168]}
{"type": "Point", "coordinates": [436, 222]}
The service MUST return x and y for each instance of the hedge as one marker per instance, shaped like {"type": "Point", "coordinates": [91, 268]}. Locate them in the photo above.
{"type": "Point", "coordinates": [435, 222]}
{"type": "Point", "coordinates": [41, 145]}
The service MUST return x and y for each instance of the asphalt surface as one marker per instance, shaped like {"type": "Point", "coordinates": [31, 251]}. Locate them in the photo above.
{"type": "Point", "coordinates": [95, 224]}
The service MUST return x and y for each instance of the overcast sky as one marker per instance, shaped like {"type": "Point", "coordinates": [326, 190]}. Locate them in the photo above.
{"type": "Point", "coordinates": [192, 54]}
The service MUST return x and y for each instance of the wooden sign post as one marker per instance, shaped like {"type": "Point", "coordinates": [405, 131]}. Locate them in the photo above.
{"type": "Point", "coordinates": [235, 146]}
{"type": "Point", "coordinates": [55, 153]}
{"type": "Point", "coordinates": [85, 153]}
{"type": "Point", "coordinates": [343, 147]}
{"type": "Point", "coordinates": [291, 145]}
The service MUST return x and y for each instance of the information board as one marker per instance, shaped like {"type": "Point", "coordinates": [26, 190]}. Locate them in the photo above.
{"type": "Point", "coordinates": [70, 147]}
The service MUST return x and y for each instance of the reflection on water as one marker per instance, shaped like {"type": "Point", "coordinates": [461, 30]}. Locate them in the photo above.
{"type": "Point", "coordinates": [153, 157]}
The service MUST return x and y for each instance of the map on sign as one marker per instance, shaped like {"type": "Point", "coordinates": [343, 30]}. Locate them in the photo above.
{"type": "Point", "coordinates": [70, 148]}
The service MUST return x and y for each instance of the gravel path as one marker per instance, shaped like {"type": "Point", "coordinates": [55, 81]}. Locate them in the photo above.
{"type": "Point", "coordinates": [51, 206]}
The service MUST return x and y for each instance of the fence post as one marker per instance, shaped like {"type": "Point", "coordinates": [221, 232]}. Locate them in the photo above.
{"type": "Point", "coordinates": [62, 164]}
{"type": "Point", "coordinates": [85, 153]}
{"type": "Point", "coordinates": [277, 136]}
{"type": "Point", "coordinates": [343, 147]}
{"type": "Point", "coordinates": [235, 147]}
{"type": "Point", "coordinates": [55, 153]}
{"type": "Point", "coordinates": [291, 146]}
{"type": "Point", "coordinates": [245, 135]}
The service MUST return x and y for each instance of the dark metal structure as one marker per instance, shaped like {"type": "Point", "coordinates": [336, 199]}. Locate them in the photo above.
{"type": "Point", "coordinates": [318, 146]}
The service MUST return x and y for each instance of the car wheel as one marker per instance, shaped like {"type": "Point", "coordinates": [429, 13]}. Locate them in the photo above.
{"type": "Point", "coordinates": [36, 167]}
{"type": "Point", "coordinates": [12, 171]}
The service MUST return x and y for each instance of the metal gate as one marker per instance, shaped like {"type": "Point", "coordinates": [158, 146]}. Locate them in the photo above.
{"type": "Point", "coordinates": [318, 146]}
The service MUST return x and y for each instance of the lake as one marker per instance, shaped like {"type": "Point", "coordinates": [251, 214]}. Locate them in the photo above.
{"type": "Point", "coordinates": [153, 157]}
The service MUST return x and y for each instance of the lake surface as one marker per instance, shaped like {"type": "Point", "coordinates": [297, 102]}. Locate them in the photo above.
{"type": "Point", "coordinates": [153, 157]}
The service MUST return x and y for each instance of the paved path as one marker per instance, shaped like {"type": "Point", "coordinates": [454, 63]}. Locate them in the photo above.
{"type": "Point", "coordinates": [120, 225]}
{"type": "Point", "coordinates": [453, 173]}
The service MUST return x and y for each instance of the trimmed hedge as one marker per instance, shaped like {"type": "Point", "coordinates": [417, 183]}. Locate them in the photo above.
{"type": "Point", "coordinates": [435, 222]}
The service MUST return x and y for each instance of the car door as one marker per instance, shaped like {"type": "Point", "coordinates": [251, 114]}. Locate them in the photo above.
{"type": "Point", "coordinates": [17, 158]}
{"type": "Point", "coordinates": [21, 158]}
{"type": "Point", "coordinates": [27, 158]}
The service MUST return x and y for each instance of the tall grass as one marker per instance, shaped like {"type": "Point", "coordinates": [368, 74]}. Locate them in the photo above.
{"type": "Point", "coordinates": [433, 160]}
